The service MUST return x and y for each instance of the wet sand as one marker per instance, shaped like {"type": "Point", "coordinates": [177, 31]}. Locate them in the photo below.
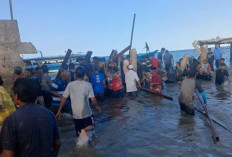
{"type": "Point", "coordinates": [150, 126]}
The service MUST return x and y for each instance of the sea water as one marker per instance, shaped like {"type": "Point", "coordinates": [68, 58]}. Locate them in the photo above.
{"type": "Point", "coordinates": [147, 126]}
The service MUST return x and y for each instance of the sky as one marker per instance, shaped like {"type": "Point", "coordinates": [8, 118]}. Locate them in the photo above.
{"type": "Point", "coordinates": [53, 26]}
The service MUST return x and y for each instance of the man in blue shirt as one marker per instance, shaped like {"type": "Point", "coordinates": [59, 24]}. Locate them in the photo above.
{"type": "Point", "coordinates": [98, 82]}
{"type": "Point", "coordinates": [217, 54]}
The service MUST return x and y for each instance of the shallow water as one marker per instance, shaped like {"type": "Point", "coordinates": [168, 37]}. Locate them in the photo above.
{"type": "Point", "coordinates": [149, 126]}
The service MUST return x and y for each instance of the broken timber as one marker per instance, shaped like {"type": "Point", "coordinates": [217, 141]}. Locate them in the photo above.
{"type": "Point", "coordinates": [202, 50]}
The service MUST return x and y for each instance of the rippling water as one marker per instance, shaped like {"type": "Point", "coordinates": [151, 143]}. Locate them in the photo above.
{"type": "Point", "coordinates": [149, 126]}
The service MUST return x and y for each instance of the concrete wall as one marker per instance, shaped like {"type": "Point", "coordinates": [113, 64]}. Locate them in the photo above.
{"type": "Point", "coordinates": [10, 48]}
{"type": "Point", "coordinates": [9, 32]}
{"type": "Point", "coordinates": [10, 38]}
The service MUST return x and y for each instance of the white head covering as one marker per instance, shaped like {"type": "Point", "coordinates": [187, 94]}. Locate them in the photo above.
{"type": "Point", "coordinates": [130, 67]}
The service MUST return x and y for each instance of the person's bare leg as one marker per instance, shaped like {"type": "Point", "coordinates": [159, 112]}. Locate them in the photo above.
{"type": "Point", "coordinates": [88, 128]}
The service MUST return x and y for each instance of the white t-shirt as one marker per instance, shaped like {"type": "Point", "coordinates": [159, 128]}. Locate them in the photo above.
{"type": "Point", "coordinates": [79, 92]}
{"type": "Point", "coordinates": [131, 78]}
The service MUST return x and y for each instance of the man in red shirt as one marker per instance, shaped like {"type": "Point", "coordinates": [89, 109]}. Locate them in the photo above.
{"type": "Point", "coordinates": [155, 62]}
{"type": "Point", "coordinates": [117, 82]}
{"type": "Point", "coordinates": [156, 81]}
{"type": "Point", "coordinates": [108, 74]}
{"type": "Point", "coordinates": [116, 79]}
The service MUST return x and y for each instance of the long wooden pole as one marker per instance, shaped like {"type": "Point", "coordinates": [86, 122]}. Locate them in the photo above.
{"type": "Point", "coordinates": [230, 52]}
{"type": "Point", "coordinates": [66, 58]}
{"type": "Point", "coordinates": [215, 135]}
{"type": "Point", "coordinates": [132, 32]}
{"type": "Point", "coordinates": [121, 53]}
{"type": "Point", "coordinates": [215, 120]}
{"type": "Point", "coordinates": [11, 10]}
{"type": "Point", "coordinates": [158, 94]}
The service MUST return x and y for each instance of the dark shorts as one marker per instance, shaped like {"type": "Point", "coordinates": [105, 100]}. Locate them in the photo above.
{"type": "Point", "coordinates": [108, 92]}
{"type": "Point", "coordinates": [118, 94]}
{"type": "Point", "coordinates": [83, 123]}
{"type": "Point", "coordinates": [100, 97]}
{"type": "Point", "coordinates": [132, 94]}
{"type": "Point", "coordinates": [186, 109]}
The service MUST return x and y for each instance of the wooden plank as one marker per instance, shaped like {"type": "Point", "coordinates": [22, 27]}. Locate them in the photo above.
{"type": "Point", "coordinates": [156, 94]}
{"type": "Point", "coordinates": [214, 41]}
{"type": "Point", "coordinates": [215, 120]}
{"type": "Point", "coordinates": [88, 56]}
{"type": "Point", "coordinates": [133, 59]}
{"type": "Point", "coordinates": [184, 63]}
{"type": "Point", "coordinates": [66, 58]}
{"type": "Point", "coordinates": [122, 52]}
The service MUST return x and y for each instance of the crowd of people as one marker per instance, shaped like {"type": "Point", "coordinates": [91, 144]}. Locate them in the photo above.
{"type": "Point", "coordinates": [29, 129]}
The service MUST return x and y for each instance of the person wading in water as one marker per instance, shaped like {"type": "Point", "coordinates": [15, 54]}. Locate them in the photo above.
{"type": "Point", "coordinates": [187, 90]}
{"type": "Point", "coordinates": [80, 92]}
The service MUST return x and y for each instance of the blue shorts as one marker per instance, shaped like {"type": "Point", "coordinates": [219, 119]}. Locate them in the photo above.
{"type": "Point", "coordinates": [83, 123]}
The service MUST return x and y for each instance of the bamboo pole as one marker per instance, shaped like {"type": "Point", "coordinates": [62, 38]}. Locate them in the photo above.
{"type": "Point", "coordinates": [230, 52]}
{"type": "Point", "coordinates": [214, 132]}
{"type": "Point", "coordinates": [132, 32]}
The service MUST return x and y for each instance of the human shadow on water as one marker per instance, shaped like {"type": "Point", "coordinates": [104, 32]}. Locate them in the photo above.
{"type": "Point", "coordinates": [186, 124]}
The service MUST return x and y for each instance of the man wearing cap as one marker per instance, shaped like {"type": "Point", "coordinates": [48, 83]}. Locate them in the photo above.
{"type": "Point", "coordinates": [131, 78]}
{"type": "Point", "coordinates": [187, 90]}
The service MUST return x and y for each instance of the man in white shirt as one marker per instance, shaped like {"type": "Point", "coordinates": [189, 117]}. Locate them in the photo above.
{"type": "Point", "coordinates": [131, 78]}
{"type": "Point", "coordinates": [80, 92]}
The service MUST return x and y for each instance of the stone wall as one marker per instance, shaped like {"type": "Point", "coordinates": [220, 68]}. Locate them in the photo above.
{"type": "Point", "coordinates": [10, 49]}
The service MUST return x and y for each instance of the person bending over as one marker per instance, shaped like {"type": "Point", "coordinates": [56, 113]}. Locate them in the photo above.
{"type": "Point", "coordinates": [187, 90]}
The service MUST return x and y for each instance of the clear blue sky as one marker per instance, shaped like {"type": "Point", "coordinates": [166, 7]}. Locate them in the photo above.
{"type": "Point", "coordinates": [53, 26]}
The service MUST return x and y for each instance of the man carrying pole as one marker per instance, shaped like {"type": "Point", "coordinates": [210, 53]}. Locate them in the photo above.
{"type": "Point", "coordinates": [188, 87]}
